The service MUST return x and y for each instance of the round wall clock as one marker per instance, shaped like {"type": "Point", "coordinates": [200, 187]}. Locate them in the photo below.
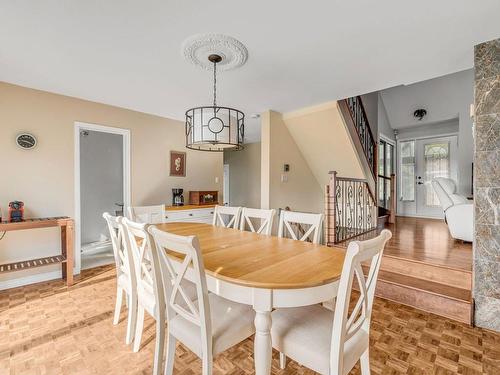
{"type": "Point", "coordinates": [26, 141]}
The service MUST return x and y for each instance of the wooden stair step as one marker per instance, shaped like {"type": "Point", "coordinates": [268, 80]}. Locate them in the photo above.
{"type": "Point", "coordinates": [431, 272]}
{"type": "Point", "coordinates": [427, 286]}
{"type": "Point", "coordinates": [382, 220]}
{"type": "Point", "coordinates": [444, 300]}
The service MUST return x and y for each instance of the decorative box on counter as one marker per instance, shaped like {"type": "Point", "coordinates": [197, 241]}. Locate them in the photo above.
{"type": "Point", "coordinates": [203, 197]}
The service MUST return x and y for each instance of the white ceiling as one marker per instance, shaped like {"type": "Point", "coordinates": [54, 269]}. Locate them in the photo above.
{"type": "Point", "coordinates": [444, 98]}
{"type": "Point", "coordinates": [127, 53]}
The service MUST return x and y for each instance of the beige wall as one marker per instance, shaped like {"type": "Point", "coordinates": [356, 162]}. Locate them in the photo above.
{"type": "Point", "coordinates": [43, 177]}
{"type": "Point", "coordinates": [302, 191]}
{"type": "Point", "coordinates": [244, 176]}
{"type": "Point", "coordinates": [323, 140]}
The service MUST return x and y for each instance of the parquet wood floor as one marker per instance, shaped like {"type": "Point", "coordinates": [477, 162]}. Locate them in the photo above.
{"type": "Point", "coordinates": [49, 328]}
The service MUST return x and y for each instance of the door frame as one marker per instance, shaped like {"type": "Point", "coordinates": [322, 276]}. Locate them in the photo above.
{"type": "Point", "coordinates": [398, 171]}
{"type": "Point", "coordinates": [79, 126]}
{"type": "Point", "coordinates": [394, 145]}
{"type": "Point", "coordinates": [226, 188]}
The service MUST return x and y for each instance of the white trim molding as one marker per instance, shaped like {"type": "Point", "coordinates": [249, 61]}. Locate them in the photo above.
{"type": "Point", "coordinates": [31, 279]}
{"type": "Point", "coordinates": [79, 126]}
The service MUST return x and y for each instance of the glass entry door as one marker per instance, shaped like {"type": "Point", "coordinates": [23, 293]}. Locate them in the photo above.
{"type": "Point", "coordinates": [436, 157]}
{"type": "Point", "coordinates": [421, 161]}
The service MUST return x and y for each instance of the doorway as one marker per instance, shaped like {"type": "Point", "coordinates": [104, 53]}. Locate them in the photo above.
{"type": "Point", "coordinates": [420, 161]}
{"type": "Point", "coordinates": [101, 185]}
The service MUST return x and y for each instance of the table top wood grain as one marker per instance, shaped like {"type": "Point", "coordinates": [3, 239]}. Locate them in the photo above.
{"type": "Point", "coordinates": [261, 261]}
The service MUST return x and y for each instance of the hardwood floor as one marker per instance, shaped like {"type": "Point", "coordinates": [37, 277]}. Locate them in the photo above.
{"type": "Point", "coordinates": [428, 241]}
{"type": "Point", "coordinates": [424, 267]}
{"type": "Point", "coordinates": [50, 328]}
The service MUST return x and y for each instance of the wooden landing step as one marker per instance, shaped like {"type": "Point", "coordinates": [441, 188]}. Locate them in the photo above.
{"type": "Point", "coordinates": [437, 298]}
{"type": "Point", "coordinates": [442, 299]}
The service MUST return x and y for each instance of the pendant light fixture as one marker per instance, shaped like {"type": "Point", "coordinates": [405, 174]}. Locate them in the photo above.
{"type": "Point", "coordinates": [214, 128]}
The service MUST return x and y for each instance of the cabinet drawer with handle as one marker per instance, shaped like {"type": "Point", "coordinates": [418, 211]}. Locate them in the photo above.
{"type": "Point", "coordinates": [201, 215]}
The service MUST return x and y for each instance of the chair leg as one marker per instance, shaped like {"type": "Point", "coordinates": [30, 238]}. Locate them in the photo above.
{"type": "Point", "coordinates": [160, 342]}
{"type": "Point", "coordinates": [132, 319]}
{"type": "Point", "coordinates": [169, 362]}
{"type": "Point", "coordinates": [365, 363]}
{"type": "Point", "coordinates": [207, 362]}
{"type": "Point", "coordinates": [282, 361]}
{"type": "Point", "coordinates": [139, 325]}
{"type": "Point", "coordinates": [118, 305]}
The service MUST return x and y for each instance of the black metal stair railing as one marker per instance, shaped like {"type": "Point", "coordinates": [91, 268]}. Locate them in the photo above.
{"type": "Point", "coordinates": [360, 120]}
{"type": "Point", "coordinates": [351, 209]}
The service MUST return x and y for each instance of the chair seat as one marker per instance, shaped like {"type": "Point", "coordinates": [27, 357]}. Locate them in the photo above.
{"type": "Point", "coordinates": [124, 282]}
{"type": "Point", "coordinates": [231, 323]}
{"type": "Point", "coordinates": [305, 334]}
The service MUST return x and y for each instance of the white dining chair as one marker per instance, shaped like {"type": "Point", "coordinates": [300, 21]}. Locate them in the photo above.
{"type": "Point", "coordinates": [227, 217]}
{"type": "Point", "coordinates": [125, 273]}
{"type": "Point", "coordinates": [206, 324]}
{"type": "Point", "coordinates": [263, 217]}
{"type": "Point", "coordinates": [332, 342]}
{"type": "Point", "coordinates": [150, 293]}
{"type": "Point", "coordinates": [147, 214]}
{"type": "Point", "coordinates": [290, 219]}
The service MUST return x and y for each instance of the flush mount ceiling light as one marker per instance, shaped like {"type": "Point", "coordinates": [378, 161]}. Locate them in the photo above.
{"type": "Point", "coordinates": [419, 114]}
{"type": "Point", "coordinates": [215, 128]}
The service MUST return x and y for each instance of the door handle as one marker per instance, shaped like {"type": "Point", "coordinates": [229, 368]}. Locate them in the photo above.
{"type": "Point", "coordinates": [420, 182]}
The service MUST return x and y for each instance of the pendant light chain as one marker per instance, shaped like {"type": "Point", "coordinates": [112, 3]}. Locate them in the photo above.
{"type": "Point", "coordinates": [213, 128]}
{"type": "Point", "coordinates": [215, 84]}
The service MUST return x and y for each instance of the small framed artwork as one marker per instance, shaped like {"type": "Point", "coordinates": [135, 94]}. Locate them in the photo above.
{"type": "Point", "coordinates": [177, 163]}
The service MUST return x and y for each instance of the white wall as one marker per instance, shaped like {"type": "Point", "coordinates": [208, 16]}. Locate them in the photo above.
{"type": "Point", "coordinates": [430, 130]}
{"type": "Point", "coordinates": [244, 176]}
{"type": "Point", "coordinates": [384, 125]}
{"type": "Point", "coordinates": [101, 176]}
{"type": "Point", "coordinates": [445, 98]}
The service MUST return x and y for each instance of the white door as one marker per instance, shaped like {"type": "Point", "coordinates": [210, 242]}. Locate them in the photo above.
{"type": "Point", "coordinates": [225, 188]}
{"type": "Point", "coordinates": [419, 162]}
{"type": "Point", "coordinates": [436, 157]}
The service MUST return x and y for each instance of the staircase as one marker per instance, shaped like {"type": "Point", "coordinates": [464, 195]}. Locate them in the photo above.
{"type": "Point", "coordinates": [351, 213]}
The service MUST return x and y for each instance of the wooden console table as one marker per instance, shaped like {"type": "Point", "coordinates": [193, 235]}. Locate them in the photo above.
{"type": "Point", "coordinates": [67, 237]}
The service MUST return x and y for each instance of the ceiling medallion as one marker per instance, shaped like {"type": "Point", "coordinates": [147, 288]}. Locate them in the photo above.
{"type": "Point", "coordinates": [215, 128]}
{"type": "Point", "coordinates": [197, 48]}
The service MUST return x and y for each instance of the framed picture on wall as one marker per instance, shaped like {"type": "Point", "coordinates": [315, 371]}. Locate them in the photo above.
{"type": "Point", "coordinates": [177, 163]}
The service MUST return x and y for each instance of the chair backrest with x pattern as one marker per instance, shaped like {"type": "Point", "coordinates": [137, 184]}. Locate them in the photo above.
{"type": "Point", "coordinates": [227, 217]}
{"type": "Point", "coordinates": [147, 214]}
{"type": "Point", "coordinates": [188, 260]}
{"type": "Point", "coordinates": [119, 241]}
{"type": "Point", "coordinates": [289, 219]}
{"type": "Point", "coordinates": [356, 325]}
{"type": "Point", "coordinates": [265, 217]}
{"type": "Point", "coordinates": [147, 265]}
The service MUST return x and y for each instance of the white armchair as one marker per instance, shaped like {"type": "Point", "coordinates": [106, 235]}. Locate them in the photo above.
{"type": "Point", "coordinates": [458, 210]}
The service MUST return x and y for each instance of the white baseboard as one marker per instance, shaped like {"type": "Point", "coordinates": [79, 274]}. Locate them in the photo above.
{"type": "Point", "coordinates": [27, 280]}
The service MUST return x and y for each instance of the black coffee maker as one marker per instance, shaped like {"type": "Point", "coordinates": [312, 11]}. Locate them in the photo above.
{"type": "Point", "coordinates": [177, 197]}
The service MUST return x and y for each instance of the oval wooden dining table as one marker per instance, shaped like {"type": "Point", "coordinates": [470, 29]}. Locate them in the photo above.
{"type": "Point", "coordinates": [265, 272]}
